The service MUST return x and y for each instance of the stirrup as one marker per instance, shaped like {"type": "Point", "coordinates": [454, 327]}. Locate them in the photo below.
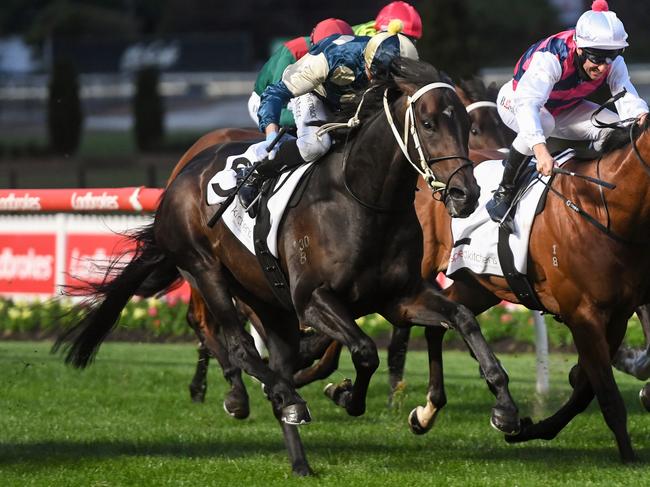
{"type": "Point", "coordinates": [498, 206]}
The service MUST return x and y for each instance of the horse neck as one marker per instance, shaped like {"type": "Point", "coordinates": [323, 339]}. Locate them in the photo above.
{"type": "Point", "coordinates": [629, 203]}
{"type": "Point", "coordinates": [376, 169]}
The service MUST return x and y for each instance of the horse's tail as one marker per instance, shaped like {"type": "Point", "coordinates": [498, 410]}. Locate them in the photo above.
{"type": "Point", "coordinates": [149, 272]}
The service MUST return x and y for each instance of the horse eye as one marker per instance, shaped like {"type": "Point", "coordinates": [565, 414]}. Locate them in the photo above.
{"type": "Point", "coordinates": [427, 125]}
{"type": "Point", "coordinates": [474, 131]}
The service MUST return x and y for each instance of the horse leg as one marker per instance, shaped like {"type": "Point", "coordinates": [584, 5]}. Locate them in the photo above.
{"type": "Point", "coordinates": [199, 318]}
{"type": "Point", "coordinates": [397, 348]}
{"type": "Point", "coordinates": [636, 362]}
{"type": "Point", "coordinates": [422, 418]}
{"type": "Point", "coordinates": [327, 364]}
{"type": "Point", "coordinates": [199, 385]}
{"type": "Point", "coordinates": [327, 314]}
{"type": "Point", "coordinates": [240, 346]}
{"type": "Point", "coordinates": [428, 307]}
{"type": "Point", "coordinates": [592, 375]}
{"type": "Point", "coordinates": [282, 343]}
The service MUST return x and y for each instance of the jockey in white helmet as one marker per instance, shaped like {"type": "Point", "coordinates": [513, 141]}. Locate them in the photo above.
{"type": "Point", "coordinates": [546, 96]}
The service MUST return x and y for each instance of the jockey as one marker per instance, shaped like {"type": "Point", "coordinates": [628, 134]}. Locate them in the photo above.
{"type": "Point", "coordinates": [317, 83]}
{"type": "Point", "coordinates": [411, 21]}
{"type": "Point", "coordinates": [546, 96]}
{"type": "Point", "coordinates": [288, 54]}
{"type": "Point", "coordinates": [296, 48]}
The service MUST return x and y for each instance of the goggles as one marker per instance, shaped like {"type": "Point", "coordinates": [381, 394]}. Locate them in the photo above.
{"type": "Point", "coordinates": [601, 56]}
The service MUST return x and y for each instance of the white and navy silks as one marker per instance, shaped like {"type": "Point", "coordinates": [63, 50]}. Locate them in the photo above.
{"type": "Point", "coordinates": [317, 84]}
{"type": "Point", "coordinates": [546, 97]}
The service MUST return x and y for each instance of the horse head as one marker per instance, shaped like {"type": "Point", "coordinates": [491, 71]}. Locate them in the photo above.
{"type": "Point", "coordinates": [439, 126]}
{"type": "Point", "coordinates": [487, 130]}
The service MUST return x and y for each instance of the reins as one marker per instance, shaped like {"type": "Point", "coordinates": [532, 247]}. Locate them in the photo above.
{"type": "Point", "coordinates": [571, 205]}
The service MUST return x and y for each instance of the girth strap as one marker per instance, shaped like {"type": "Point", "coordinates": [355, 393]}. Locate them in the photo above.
{"type": "Point", "coordinates": [518, 282]}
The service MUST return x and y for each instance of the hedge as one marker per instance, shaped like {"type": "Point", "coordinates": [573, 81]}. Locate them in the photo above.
{"type": "Point", "coordinates": [158, 319]}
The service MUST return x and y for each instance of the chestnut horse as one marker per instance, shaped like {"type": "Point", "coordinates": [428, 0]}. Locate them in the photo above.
{"type": "Point", "coordinates": [566, 251]}
{"type": "Point", "coordinates": [357, 193]}
{"type": "Point", "coordinates": [487, 131]}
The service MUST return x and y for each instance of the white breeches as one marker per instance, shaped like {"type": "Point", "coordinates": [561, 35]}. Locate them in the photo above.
{"type": "Point", "coordinates": [309, 112]}
{"type": "Point", "coordinates": [571, 124]}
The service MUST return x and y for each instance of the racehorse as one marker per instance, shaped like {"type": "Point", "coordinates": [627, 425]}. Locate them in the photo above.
{"type": "Point", "coordinates": [359, 192]}
{"type": "Point", "coordinates": [566, 251]}
{"type": "Point", "coordinates": [486, 131]}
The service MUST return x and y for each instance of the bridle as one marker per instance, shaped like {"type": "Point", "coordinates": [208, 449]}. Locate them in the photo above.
{"type": "Point", "coordinates": [410, 131]}
{"type": "Point", "coordinates": [480, 104]}
{"type": "Point", "coordinates": [410, 128]}
{"type": "Point", "coordinates": [621, 123]}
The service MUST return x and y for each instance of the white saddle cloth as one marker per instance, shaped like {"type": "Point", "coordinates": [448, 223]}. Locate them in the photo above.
{"type": "Point", "coordinates": [476, 237]}
{"type": "Point", "coordinates": [235, 216]}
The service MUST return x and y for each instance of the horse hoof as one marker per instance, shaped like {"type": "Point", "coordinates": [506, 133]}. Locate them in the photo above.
{"type": "Point", "coordinates": [236, 404]}
{"type": "Point", "coordinates": [296, 414]}
{"type": "Point", "coordinates": [339, 393]}
{"type": "Point", "coordinates": [524, 431]}
{"type": "Point", "coordinates": [644, 397]}
{"type": "Point", "coordinates": [302, 470]}
{"type": "Point", "coordinates": [414, 423]}
{"type": "Point", "coordinates": [237, 411]}
{"type": "Point", "coordinates": [505, 423]}
{"type": "Point", "coordinates": [197, 394]}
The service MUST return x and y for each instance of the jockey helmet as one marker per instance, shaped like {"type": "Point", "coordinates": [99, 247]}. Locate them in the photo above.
{"type": "Point", "coordinates": [328, 27]}
{"type": "Point", "coordinates": [385, 46]}
{"type": "Point", "coordinates": [410, 18]}
{"type": "Point", "coordinates": [600, 29]}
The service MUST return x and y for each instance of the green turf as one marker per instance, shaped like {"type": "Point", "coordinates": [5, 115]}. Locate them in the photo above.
{"type": "Point", "coordinates": [128, 420]}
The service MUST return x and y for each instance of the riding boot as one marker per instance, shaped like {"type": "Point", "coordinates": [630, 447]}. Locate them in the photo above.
{"type": "Point", "coordinates": [287, 157]}
{"type": "Point", "coordinates": [498, 206]}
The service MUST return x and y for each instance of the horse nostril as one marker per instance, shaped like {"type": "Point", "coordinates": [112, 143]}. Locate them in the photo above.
{"type": "Point", "coordinates": [457, 194]}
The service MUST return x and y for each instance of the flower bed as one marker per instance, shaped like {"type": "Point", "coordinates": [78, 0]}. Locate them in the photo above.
{"type": "Point", "coordinates": [157, 319]}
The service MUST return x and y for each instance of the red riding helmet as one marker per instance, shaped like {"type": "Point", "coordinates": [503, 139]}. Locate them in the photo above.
{"type": "Point", "coordinates": [328, 27]}
{"type": "Point", "coordinates": [411, 21]}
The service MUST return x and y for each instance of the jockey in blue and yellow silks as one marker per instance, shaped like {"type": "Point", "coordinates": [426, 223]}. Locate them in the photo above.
{"type": "Point", "coordinates": [317, 84]}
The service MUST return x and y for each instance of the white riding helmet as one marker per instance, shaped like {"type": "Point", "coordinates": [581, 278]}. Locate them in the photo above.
{"type": "Point", "coordinates": [599, 28]}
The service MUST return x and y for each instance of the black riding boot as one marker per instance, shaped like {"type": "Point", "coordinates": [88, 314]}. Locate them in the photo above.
{"type": "Point", "coordinates": [503, 196]}
{"type": "Point", "coordinates": [287, 157]}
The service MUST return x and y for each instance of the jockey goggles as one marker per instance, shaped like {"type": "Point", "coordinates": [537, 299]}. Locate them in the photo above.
{"type": "Point", "coordinates": [601, 56]}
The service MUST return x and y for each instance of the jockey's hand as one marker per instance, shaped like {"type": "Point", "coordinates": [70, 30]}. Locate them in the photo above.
{"type": "Point", "coordinates": [642, 119]}
{"type": "Point", "coordinates": [545, 161]}
{"type": "Point", "coordinates": [271, 133]}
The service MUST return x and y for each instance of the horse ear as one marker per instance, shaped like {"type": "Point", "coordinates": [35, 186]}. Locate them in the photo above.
{"type": "Point", "coordinates": [492, 91]}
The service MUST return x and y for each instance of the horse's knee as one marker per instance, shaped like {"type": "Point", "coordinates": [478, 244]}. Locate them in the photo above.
{"type": "Point", "coordinates": [365, 355]}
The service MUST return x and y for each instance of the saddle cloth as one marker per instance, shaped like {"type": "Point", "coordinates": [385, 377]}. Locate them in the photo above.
{"type": "Point", "coordinates": [235, 217]}
{"type": "Point", "coordinates": [476, 237]}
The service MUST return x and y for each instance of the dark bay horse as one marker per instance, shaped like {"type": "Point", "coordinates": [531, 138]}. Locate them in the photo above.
{"type": "Point", "coordinates": [486, 131]}
{"type": "Point", "coordinates": [566, 254]}
{"type": "Point", "coordinates": [358, 193]}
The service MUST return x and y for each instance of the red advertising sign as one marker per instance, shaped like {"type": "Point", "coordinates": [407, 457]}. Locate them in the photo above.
{"type": "Point", "coordinates": [28, 263]}
{"type": "Point", "coordinates": [87, 257]}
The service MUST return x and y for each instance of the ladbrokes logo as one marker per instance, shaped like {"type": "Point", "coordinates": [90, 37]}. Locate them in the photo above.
{"type": "Point", "coordinates": [91, 266]}
{"type": "Point", "coordinates": [90, 201]}
{"type": "Point", "coordinates": [25, 267]}
{"type": "Point", "coordinates": [11, 202]}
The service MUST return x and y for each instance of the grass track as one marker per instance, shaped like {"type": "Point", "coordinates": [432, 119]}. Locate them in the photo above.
{"type": "Point", "coordinates": [128, 420]}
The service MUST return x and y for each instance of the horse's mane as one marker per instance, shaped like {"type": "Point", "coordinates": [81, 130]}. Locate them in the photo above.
{"type": "Point", "coordinates": [619, 137]}
{"type": "Point", "coordinates": [475, 89]}
{"type": "Point", "coordinates": [401, 70]}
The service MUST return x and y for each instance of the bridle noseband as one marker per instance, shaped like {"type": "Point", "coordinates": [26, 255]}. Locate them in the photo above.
{"type": "Point", "coordinates": [410, 127]}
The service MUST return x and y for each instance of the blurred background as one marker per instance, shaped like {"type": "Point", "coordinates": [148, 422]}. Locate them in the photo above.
{"type": "Point", "coordinates": [102, 93]}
